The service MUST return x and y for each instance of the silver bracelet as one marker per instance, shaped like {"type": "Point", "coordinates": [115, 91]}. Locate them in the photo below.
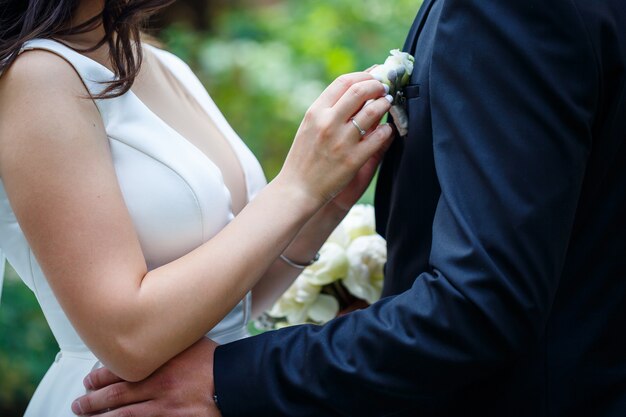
{"type": "Point", "coordinates": [297, 265]}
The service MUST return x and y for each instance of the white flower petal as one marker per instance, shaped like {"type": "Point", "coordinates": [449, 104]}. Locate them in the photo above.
{"type": "Point", "coordinates": [303, 289]}
{"type": "Point", "coordinates": [299, 316]}
{"type": "Point", "coordinates": [360, 221]}
{"type": "Point", "coordinates": [367, 256]}
{"type": "Point", "coordinates": [339, 236]}
{"type": "Point", "coordinates": [294, 303]}
{"type": "Point", "coordinates": [324, 309]}
{"type": "Point", "coordinates": [283, 307]}
{"type": "Point", "coordinates": [332, 265]}
{"type": "Point", "coordinates": [358, 284]}
{"type": "Point", "coordinates": [369, 250]}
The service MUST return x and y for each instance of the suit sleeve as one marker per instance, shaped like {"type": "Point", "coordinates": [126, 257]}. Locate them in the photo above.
{"type": "Point", "coordinates": [513, 90]}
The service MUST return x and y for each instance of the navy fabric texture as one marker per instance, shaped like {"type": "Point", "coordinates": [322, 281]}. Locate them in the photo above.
{"type": "Point", "coordinates": [505, 214]}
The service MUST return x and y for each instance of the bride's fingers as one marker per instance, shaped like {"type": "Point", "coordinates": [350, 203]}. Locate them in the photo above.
{"type": "Point", "coordinates": [100, 378]}
{"type": "Point", "coordinates": [369, 116]}
{"type": "Point", "coordinates": [376, 142]}
{"type": "Point", "coordinates": [338, 88]}
{"type": "Point", "coordinates": [356, 96]}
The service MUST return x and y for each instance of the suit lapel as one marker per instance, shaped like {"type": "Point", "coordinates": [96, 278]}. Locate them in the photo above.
{"type": "Point", "coordinates": [386, 177]}
{"type": "Point", "coordinates": [418, 24]}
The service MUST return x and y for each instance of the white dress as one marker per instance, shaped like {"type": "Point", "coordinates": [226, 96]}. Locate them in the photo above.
{"type": "Point", "coordinates": [176, 197]}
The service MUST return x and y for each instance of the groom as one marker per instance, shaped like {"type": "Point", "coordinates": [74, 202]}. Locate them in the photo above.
{"type": "Point", "coordinates": [505, 215]}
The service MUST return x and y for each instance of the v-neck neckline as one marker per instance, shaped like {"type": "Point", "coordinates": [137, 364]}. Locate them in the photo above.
{"type": "Point", "coordinates": [182, 138]}
{"type": "Point", "coordinates": [226, 138]}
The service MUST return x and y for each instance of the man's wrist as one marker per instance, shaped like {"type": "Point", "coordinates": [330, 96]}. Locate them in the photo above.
{"type": "Point", "coordinates": [215, 410]}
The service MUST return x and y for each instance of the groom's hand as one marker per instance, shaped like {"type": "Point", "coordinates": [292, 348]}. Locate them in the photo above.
{"type": "Point", "coordinates": [181, 387]}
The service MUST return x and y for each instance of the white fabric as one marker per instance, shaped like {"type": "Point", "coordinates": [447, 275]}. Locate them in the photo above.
{"type": "Point", "coordinates": [175, 195]}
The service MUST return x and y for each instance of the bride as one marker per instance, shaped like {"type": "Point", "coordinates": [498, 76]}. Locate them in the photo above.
{"type": "Point", "coordinates": [131, 208]}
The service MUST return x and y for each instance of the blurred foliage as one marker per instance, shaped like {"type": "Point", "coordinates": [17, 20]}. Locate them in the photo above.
{"type": "Point", "coordinates": [263, 65]}
{"type": "Point", "coordinates": [27, 347]}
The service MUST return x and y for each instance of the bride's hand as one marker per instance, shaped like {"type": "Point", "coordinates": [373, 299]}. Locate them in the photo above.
{"type": "Point", "coordinates": [328, 149]}
{"type": "Point", "coordinates": [355, 189]}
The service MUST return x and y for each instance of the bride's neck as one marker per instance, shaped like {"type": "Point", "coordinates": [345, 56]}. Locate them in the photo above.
{"type": "Point", "coordinates": [85, 11]}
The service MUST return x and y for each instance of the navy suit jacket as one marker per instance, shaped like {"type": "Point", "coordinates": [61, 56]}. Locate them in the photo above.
{"type": "Point", "coordinates": [505, 215]}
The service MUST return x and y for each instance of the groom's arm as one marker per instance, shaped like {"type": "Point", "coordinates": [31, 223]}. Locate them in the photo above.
{"type": "Point", "coordinates": [513, 85]}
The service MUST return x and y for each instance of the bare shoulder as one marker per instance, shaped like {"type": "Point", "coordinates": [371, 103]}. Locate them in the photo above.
{"type": "Point", "coordinates": [40, 71]}
{"type": "Point", "coordinates": [42, 96]}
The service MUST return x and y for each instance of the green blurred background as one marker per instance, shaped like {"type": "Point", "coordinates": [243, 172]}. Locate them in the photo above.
{"type": "Point", "coordinates": [264, 62]}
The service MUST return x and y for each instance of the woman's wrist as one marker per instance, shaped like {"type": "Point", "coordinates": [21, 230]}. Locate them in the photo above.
{"type": "Point", "coordinates": [296, 195]}
{"type": "Point", "coordinates": [337, 211]}
{"type": "Point", "coordinates": [312, 236]}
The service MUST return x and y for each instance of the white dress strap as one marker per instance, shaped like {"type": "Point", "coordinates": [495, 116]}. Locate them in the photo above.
{"type": "Point", "coordinates": [91, 72]}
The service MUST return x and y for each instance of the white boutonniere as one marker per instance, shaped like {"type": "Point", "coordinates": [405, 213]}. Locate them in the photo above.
{"type": "Point", "coordinates": [396, 73]}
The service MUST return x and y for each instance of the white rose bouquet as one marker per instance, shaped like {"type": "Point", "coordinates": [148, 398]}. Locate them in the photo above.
{"type": "Point", "coordinates": [348, 274]}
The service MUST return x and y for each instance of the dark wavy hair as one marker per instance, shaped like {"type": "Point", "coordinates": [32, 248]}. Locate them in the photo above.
{"type": "Point", "coordinates": [122, 20]}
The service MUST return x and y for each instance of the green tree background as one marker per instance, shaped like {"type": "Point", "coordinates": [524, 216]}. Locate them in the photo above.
{"type": "Point", "coordinates": [263, 62]}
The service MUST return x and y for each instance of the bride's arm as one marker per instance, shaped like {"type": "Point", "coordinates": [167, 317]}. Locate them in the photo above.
{"type": "Point", "coordinates": [57, 170]}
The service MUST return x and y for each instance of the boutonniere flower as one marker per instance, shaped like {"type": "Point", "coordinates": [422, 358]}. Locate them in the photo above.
{"type": "Point", "coordinates": [396, 73]}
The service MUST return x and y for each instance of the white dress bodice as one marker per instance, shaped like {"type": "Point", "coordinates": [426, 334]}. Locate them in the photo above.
{"type": "Point", "coordinates": [175, 195]}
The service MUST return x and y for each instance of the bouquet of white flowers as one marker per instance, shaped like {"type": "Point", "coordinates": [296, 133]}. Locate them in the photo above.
{"type": "Point", "coordinates": [349, 272]}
